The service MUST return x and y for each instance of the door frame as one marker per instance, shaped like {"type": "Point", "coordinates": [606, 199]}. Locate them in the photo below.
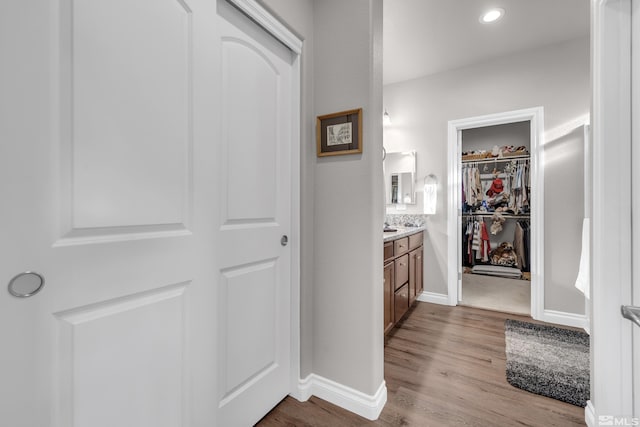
{"type": "Point", "coordinates": [611, 339]}
{"type": "Point", "coordinates": [280, 32]}
{"type": "Point", "coordinates": [454, 222]}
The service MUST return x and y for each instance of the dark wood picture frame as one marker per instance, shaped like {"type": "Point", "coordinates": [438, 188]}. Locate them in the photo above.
{"type": "Point", "coordinates": [339, 133]}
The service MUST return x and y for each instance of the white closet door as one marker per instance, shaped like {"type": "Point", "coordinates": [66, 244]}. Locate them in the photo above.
{"type": "Point", "coordinates": [99, 128]}
{"type": "Point", "coordinates": [255, 200]}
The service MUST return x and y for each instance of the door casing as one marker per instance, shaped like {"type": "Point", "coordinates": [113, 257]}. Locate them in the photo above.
{"type": "Point", "coordinates": [536, 117]}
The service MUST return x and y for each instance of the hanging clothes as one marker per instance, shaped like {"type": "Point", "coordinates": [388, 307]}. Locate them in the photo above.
{"type": "Point", "coordinates": [477, 240]}
{"type": "Point", "coordinates": [518, 245]}
{"type": "Point", "coordinates": [485, 248]}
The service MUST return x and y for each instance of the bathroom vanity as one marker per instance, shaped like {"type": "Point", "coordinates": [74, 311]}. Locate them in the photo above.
{"type": "Point", "coordinates": [403, 270]}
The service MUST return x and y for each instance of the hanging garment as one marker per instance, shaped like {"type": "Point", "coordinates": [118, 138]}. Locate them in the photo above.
{"type": "Point", "coordinates": [527, 243]}
{"type": "Point", "coordinates": [478, 188]}
{"type": "Point", "coordinates": [477, 240]}
{"type": "Point", "coordinates": [467, 231]}
{"type": "Point", "coordinates": [485, 248]}
{"type": "Point", "coordinates": [525, 196]}
{"type": "Point", "coordinates": [518, 245]}
{"type": "Point", "coordinates": [470, 244]}
{"type": "Point", "coordinates": [474, 195]}
{"type": "Point", "coordinates": [464, 196]}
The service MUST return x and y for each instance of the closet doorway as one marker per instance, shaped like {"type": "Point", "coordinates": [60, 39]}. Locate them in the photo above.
{"type": "Point", "coordinates": [495, 212]}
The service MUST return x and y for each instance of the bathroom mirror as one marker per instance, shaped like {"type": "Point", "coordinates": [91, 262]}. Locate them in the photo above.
{"type": "Point", "coordinates": [399, 178]}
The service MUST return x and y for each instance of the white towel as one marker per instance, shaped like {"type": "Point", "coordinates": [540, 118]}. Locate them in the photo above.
{"type": "Point", "coordinates": [583, 280]}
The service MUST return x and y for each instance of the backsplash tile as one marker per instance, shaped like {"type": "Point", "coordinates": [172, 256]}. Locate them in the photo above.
{"type": "Point", "coordinates": [405, 219]}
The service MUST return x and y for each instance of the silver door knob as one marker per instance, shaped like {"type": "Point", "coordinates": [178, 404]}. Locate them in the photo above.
{"type": "Point", "coordinates": [26, 284]}
{"type": "Point", "coordinates": [284, 240]}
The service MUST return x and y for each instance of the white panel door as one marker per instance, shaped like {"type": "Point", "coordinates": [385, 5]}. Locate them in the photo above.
{"type": "Point", "coordinates": [105, 119]}
{"type": "Point", "coordinates": [255, 174]}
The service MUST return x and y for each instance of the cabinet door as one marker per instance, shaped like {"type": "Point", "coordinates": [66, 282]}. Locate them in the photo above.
{"type": "Point", "coordinates": [415, 274]}
{"type": "Point", "coordinates": [419, 271]}
{"type": "Point", "coordinates": [389, 288]}
{"type": "Point", "coordinates": [412, 275]}
{"type": "Point", "coordinates": [401, 302]}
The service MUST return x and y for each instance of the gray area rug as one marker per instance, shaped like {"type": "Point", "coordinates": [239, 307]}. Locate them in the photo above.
{"type": "Point", "coordinates": [547, 360]}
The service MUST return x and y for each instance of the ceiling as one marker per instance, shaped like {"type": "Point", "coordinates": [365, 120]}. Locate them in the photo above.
{"type": "Point", "coordinates": [423, 37]}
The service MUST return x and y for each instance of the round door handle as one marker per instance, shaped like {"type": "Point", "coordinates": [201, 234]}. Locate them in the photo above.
{"type": "Point", "coordinates": [26, 284]}
{"type": "Point", "coordinates": [284, 240]}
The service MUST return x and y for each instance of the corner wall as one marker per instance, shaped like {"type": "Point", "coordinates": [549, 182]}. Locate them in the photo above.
{"type": "Point", "coordinates": [555, 77]}
{"type": "Point", "coordinates": [341, 283]}
{"type": "Point", "coordinates": [347, 335]}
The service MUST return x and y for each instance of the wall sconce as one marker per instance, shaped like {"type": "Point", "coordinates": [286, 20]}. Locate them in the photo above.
{"type": "Point", "coordinates": [430, 194]}
{"type": "Point", "coordinates": [386, 119]}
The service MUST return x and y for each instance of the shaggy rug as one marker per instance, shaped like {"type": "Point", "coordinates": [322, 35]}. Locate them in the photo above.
{"type": "Point", "coordinates": [547, 360]}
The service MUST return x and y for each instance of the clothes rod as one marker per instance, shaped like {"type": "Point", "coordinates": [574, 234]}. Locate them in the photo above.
{"type": "Point", "coordinates": [490, 214]}
{"type": "Point", "coordinates": [497, 159]}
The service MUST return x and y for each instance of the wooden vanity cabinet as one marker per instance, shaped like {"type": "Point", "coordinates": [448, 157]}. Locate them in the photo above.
{"type": "Point", "coordinates": [403, 281]}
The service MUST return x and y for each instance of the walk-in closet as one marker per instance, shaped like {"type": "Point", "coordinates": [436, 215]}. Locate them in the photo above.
{"type": "Point", "coordinates": [496, 209]}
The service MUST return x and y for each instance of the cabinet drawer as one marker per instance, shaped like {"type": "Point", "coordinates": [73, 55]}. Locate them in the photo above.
{"type": "Point", "coordinates": [388, 251]}
{"type": "Point", "coordinates": [401, 302]}
{"type": "Point", "coordinates": [400, 246]}
{"type": "Point", "coordinates": [415, 240]}
{"type": "Point", "coordinates": [402, 270]}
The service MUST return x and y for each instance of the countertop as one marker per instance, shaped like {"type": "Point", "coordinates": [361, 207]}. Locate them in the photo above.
{"type": "Point", "coordinates": [402, 232]}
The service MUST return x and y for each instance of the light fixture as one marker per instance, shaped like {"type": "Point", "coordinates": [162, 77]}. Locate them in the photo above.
{"type": "Point", "coordinates": [492, 15]}
{"type": "Point", "coordinates": [386, 119]}
{"type": "Point", "coordinates": [430, 194]}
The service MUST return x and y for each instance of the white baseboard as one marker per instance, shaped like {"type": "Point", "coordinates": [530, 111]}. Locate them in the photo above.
{"type": "Point", "coordinates": [433, 298]}
{"type": "Point", "coordinates": [566, 319]}
{"type": "Point", "coordinates": [367, 406]}
{"type": "Point", "coordinates": [590, 415]}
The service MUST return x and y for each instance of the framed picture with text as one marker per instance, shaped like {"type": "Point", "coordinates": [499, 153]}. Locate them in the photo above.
{"type": "Point", "coordinates": [339, 133]}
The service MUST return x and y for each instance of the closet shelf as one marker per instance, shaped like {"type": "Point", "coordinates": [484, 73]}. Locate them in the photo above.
{"type": "Point", "coordinates": [497, 159]}
{"type": "Point", "coordinates": [490, 214]}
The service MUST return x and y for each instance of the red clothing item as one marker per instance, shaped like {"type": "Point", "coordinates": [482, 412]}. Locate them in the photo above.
{"type": "Point", "coordinates": [485, 247]}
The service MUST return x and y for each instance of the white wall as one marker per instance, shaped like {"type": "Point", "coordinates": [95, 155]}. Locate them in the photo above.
{"type": "Point", "coordinates": [348, 343]}
{"type": "Point", "coordinates": [342, 295]}
{"type": "Point", "coordinates": [555, 77]}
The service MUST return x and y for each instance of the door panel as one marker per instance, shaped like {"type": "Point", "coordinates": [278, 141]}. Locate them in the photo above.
{"type": "Point", "coordinates": [251, 110]}
{"type": "Point", "coordinates": [134, 343]}
{"type": "Point", "coordinates": [248, 293]}
{"type": "Point", "coordinates": [126, 112]}
{"type": "Point", "coordinates": [255, 176]}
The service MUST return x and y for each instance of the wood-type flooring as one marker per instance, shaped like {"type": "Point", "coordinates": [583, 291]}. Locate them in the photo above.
{"type": "Point", "coordinates": [444, 366]}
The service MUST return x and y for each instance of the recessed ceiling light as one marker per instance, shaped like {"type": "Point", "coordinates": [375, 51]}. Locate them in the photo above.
{"type": "Point", "coordinates": [492, 15]}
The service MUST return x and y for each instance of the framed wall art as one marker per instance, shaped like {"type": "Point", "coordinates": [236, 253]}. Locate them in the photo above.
{"type": "Point", "coordinates": [339, 133]}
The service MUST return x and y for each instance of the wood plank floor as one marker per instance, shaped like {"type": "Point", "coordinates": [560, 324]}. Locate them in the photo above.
{"type": "Point", "coordinates": [444, 366]}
